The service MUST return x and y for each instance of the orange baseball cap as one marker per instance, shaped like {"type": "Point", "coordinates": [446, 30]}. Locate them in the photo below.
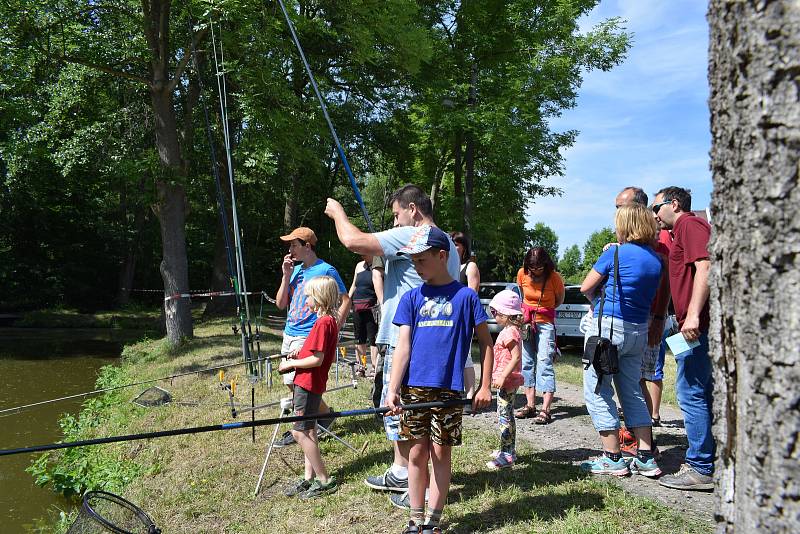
{"type": "Point", "coordinates": [302, 233]}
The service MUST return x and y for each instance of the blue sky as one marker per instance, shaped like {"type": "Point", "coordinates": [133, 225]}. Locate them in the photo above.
{"type": "Point", "coordinates": [645, 123]}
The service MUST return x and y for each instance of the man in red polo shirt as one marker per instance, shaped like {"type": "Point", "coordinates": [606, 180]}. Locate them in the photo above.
{"type": "Point", "coordinates": [689, 266]}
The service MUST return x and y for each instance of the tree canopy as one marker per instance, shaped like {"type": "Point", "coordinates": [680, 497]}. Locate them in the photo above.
{"type": "Point", "coordinates": [104, 159]}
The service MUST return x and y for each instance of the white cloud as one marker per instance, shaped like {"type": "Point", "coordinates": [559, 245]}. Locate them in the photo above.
{"type": "Point", "coordinates": [644, 123]}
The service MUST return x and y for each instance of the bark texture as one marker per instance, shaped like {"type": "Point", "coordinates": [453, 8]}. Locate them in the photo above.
{"type": "Point", "coordinates": [754, 74]}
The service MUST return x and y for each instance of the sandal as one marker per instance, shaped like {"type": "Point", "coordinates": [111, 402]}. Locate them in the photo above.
{"type": "Point", "coordinates": [525, 412]}
{"type": "Point", "coordinates": [543, 418]}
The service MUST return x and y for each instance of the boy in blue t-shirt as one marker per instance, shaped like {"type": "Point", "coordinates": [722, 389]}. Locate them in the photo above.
{"type": "Point", "coordinates": [436, 323]}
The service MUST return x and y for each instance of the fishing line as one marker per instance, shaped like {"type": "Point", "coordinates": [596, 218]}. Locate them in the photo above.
{"type": "Point", "coordinates": [230, 426]}
{"type": "Point", "coordinates": [339, 148]}
{"type": "Point", "coordinates": [143, 382]}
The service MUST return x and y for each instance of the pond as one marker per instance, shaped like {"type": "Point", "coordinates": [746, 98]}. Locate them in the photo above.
{"type": "Point", "coordinates": [35, 365]}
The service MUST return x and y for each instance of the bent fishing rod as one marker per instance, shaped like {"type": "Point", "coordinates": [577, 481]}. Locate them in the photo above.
{"type": "Point", "coordinates": [231, 426]}
{"type": "Point", "coordinates": [150, 381]}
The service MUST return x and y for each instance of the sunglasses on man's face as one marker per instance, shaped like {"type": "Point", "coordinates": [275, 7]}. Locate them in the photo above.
{"type": "Point", "coordinates": [657, 207]}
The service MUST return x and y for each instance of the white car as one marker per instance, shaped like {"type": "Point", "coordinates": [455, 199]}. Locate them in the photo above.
{"type": "Point", "coordinates": [569, 315]}
{"type": "Point", "coordinates": [487, 291]}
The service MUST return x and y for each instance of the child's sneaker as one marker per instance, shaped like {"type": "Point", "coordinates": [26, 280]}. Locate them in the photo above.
{"type": "Point", "coordinates": [604, 465]}
{"type": "Point", "coordinates": [299, 486]}
{"type": "Point", "coordinates": [387, 482]}
{"type": "Point", "coordinates": [649, 468]}
{"type": "Point", "coordinates": [318, 489]}
{"type": "Point", "coordinates": [494, 454]}
{"type": "Point", "coordinates": [412, 528]}
{"type": "Point", "coordinates": [502, 461]}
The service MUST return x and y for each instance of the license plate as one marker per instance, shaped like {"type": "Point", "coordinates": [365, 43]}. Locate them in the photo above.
{"type": "Point", "coordinates": [570, 314]}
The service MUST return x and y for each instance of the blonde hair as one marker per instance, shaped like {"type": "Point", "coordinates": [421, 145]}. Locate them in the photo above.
{"type": "Point", "coordinates": [635, 224]}
{"type": "Point", "coordinates": [325, 292]}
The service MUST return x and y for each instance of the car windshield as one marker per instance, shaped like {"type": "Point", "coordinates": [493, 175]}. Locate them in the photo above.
{"type": "Point", "coordinates": [573, 295]}
{"type": "Point", "coordinates": [489, 290]}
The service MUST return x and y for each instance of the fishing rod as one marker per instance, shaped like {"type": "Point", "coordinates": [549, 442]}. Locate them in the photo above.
{"type": "Point", "coordinates": [150, 381]}
{"type": "Point", "coordinates": [339, 148]}
{"type": "Point", "coordinates": [235, 275]}
{"type": "Point", "coordinates": [241, 281]}
{"type": "Point", "coordinates": [230, 426]}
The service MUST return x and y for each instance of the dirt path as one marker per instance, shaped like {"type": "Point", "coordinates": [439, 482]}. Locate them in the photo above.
{"type": "Point", "coordinates": [571, 438]}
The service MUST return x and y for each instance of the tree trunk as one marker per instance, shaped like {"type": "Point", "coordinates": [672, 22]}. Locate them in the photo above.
{"type": "Point", "coordinates": [458, 165]}
{"type": "Point", "coordinates": [221, 272]}
{"type": "Point", "coordinates": [171, 209]}
{"type": "Point", "coordinates": [131, 249]}
{"type": "Point", "coordinates": [754, 75]}
{"type": "Point", "coordinates": [469, 177]}
{"type": "Point", "coordinates": [290, 209]}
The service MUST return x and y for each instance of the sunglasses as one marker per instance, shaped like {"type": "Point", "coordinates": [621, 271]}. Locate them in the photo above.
{"type": "Point", "coordinates": [657, 207]}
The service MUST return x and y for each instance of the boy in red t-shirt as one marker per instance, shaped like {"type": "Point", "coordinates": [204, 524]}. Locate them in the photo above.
{"type": "Point", "coordinates": [311, 366]}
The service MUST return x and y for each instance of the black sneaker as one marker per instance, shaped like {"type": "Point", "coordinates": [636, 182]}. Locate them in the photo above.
{"type": "Point", "coordinates": [286, 440]}
{"type": "Point", "coordinates": [319, 489]}
{"type": "Point", "coordinates": [387, 482]}
{"type": "Point", "coordinates": [299, 486]}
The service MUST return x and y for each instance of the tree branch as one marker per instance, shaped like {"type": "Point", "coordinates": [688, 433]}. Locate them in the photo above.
{"type": "Point", "coordinates": [104, 68]}
{"type": "Point", "coordinates": [187, 56]}
{"type": "Point", "coordinates": [148, 28]}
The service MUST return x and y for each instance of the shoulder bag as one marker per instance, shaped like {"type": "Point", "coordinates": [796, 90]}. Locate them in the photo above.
{"type": "Point", "coordinates": [600, 352]}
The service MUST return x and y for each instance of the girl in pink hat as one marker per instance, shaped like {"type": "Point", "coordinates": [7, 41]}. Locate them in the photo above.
{"type": "Point", "coordinates": [506, 373]}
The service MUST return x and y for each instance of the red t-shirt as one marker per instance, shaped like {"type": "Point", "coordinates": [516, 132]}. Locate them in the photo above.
{"type": "Point", "coordinates": [689, 244]}
{"type": "Point", "coordinates": [323, 338]}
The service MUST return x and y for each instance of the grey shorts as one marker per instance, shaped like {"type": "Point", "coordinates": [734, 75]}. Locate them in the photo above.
{"type": "Point", "coordinates": [305, 403]}
{"type": "Point", "coordinates": [290, 344]}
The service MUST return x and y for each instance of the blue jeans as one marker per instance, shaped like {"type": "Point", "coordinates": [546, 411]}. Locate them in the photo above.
{"type": "Point", "coordinates": [694, 388]}
{"type": "Point", "coordinates": [630, 339]}
{"type": "Point", "coordinates": [537, 359]}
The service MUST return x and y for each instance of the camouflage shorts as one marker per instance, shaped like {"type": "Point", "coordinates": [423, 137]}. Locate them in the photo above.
{"type": "Point", "coordinates": [442, 425]}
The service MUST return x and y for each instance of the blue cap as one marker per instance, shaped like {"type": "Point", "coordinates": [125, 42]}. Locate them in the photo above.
{"type": "Point", "coordinates": [426, 237]}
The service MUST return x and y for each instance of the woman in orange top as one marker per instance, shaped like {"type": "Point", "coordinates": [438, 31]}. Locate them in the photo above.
{"type": "Point", "coordinates": [543, 291]}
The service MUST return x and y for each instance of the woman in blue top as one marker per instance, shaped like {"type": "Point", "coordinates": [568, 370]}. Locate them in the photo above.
{"type": "Point", "coordinates": [628, 305]}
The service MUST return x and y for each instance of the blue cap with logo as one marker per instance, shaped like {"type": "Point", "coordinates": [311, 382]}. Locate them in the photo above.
{"type": "Point", "coordinates": [426, 237]}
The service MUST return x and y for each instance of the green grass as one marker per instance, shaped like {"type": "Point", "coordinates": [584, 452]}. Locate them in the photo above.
{"type": "Point", "coordinates": [205, 482]}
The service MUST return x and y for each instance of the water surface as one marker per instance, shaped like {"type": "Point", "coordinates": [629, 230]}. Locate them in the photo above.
{"type": "Point", "coordinates": [39, 364]}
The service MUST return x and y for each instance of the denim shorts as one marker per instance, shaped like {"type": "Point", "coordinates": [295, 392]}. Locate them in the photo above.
{"type": "Point", "coordinates": [537, 359]}
{"type": "Point", "coordinates": [391, 424]}
{"type": "Point", "coordinates": [631, 340]}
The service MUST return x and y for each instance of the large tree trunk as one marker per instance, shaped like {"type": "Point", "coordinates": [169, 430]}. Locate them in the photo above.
{"type": "Point", "coordinates": [755, 286]}
{"type": "Point", "coordinates": [171, 209]}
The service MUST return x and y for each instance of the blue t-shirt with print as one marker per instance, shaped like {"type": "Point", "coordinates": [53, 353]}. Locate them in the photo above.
{"type": "Point", "coordinates": [442, 320]}
{"type": "Point", "coordinates": [639, 272]}
{"type": "Point", "coordinates": [299, 317]}
{"type": "Point", "coordinates": [401, 277]}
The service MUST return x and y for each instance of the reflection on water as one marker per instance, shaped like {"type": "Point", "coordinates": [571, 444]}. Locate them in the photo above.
{"type": "Point", "coordinates": [36, 365]}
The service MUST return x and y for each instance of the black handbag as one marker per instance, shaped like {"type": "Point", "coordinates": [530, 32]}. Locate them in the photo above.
{"type": "Point", "coordinates": [600, 352]}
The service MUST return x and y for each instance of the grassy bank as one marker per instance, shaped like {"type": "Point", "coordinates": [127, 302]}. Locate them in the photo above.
{"type": "Point", "coordinates": [129, 318]}
{"type": "Point", "coordinates": [205, 482]}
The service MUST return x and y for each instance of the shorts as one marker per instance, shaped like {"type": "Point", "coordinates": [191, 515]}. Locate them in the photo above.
{"type": "Point", "coordinates": [290, 344]}
{"type": "Point", "coordinates": [365, 327]}
{"type": "Point", "coordinates": [391, 423]}
{"type": "Point", "coordinates": [442, 425]}
{"type": "Point", "coordinates": [305, 403]}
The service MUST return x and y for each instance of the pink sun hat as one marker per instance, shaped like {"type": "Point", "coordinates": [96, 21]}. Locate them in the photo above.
{"type": "Point", "coordinates": [506, 302]}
